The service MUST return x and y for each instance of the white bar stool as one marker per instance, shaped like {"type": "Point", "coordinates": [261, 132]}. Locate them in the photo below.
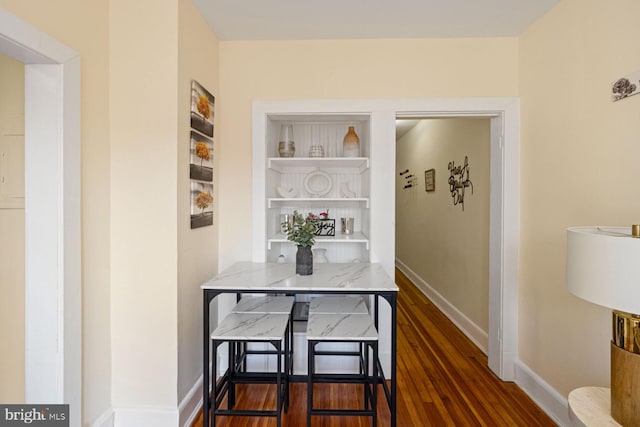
{"type": "Point", "coordinates": [237, 328]}
{"type": "Point", "coordinates": [275, 304]}
{"type": "Point", "coordinates": [334, 304]}
{"type": "Point", "coordinates": [351, 327]}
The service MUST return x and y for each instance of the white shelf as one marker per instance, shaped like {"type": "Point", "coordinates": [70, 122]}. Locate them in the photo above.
{"type": "Point", "coordinates": [307, 164]}
{"type": "Point", "coordinates": [349, 175]}
{"type": "Point", "coordinates": [338, 238]}
{"type": "Point", "coordinates": [317, 202]}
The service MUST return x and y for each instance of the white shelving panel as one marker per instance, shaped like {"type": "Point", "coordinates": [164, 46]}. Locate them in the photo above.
{"type": "Point", "coordinates": [307, 164]}
{"type": "Point", "coordinates": [317, 202]}
{"type": "Point", "coordinates": [321, 240]}
{"type": "Point", "coordinates": [347, 196]}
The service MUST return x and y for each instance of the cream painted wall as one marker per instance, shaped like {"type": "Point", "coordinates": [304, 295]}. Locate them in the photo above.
{"type": "Point", "coordinates": [445, 246]}
{"type": "Point", "coordinates": [197, 249]}
{"type": "Point", "coordinates": [338, 69]}
{"type": "Point", "coordinates": [89, 37]}
{"type": "Point", "coordinates": [12, 246]}
{"type": "Point", "coordinates": [131, 91]}
{"type": "Point", "coordinates": [579, 167]}
{"type": "Point", "coordinates": [143, 95]}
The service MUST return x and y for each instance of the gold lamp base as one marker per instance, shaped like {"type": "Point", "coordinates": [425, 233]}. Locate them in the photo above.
{"type": "Point", "coordinates": [625, 369]}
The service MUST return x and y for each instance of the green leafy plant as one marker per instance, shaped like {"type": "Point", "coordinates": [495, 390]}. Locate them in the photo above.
{"type": "Point", "coordinates": [302, 232]}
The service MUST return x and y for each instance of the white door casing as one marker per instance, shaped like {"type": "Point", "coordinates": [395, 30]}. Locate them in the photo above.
{"type": "Point", "coordinates": [504, 216]}
{"type": "Point", "coordinates": [53, 320]}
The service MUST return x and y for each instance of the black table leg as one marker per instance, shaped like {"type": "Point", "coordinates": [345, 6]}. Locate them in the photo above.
{"type": "Point", "coordinates": [392, 299]}
{"type": "Point", "coordinates": [205, 360]}
{"type": "Point", "coordinates": [208, 296]}
{"type": "Point", "coordinates": [394, 317]}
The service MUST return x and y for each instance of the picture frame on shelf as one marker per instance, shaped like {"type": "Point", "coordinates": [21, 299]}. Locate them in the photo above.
{"type": "Point", "coordinates": [326, 227]}
{"type": "Point", "coordinates": [430, 180]}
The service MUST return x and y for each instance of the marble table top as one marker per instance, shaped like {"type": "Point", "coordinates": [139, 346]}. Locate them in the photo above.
{"type": "Point", "coordinates": [272, 277]}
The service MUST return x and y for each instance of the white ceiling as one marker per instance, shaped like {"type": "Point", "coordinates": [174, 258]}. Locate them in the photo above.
{"type": "Point", "coordinates": [359, 19]}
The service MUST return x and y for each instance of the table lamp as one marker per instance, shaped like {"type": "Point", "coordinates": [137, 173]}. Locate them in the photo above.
{"type": "Point", "coordinates": [603, 267]}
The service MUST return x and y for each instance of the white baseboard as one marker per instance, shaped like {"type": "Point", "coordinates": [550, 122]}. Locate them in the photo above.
{"type": "Point", "coordinates": [155, 416]}
{"type": "Point", "coordinates": [545, 396]}
{"type": "Point", "coordinates": [191, 404]}
{"type": "Point", "coordinates": [104, 420]}
{"type": "Point", "coordinates": [479, 337]}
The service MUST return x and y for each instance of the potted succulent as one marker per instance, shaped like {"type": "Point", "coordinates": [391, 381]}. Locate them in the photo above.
{"type": "Point", "coordinates": [302, 233]}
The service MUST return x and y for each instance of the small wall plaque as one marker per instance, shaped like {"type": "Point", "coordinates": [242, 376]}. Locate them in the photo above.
{"type": "Point", "coordinates": [430, 180]}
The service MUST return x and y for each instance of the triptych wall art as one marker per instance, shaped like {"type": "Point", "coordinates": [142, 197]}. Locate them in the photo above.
{"type": "Point", "coordinates": [201, 156]}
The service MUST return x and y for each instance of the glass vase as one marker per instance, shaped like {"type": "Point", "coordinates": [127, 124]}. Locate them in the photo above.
{"type": "Point", "coordinates": [351, 144]}
{"type": "Point", "coordinates": [304, 261]}
{"type": "Point", "coordinates": [320, 256]}
{"type": "Point", "coordinates": [286, 146]}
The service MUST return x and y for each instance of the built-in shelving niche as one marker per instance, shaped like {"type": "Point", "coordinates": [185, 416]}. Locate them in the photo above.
{"type": "Point", "coordinates": [350, 190]}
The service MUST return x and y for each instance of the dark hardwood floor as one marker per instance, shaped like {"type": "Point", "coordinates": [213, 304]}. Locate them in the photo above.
{"type": "Point", "coordinates": [443, 380]}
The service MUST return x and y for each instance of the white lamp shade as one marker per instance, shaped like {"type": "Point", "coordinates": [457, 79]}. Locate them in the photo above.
{"type": "Point", "coordinates": [603, 266]}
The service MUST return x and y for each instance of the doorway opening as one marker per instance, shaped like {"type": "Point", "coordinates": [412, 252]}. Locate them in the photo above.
{"type": "Point", "coordinates": [450, 179]}
{"type": "Point", "coordinates": [53, 354]}
{"type": "Point", "coordinates": [442, 215]}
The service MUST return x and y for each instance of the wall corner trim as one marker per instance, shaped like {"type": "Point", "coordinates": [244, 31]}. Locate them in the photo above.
{"type": "Point", "coordinates": [191, 404]}
{"type": "Point", "coordinates": [546, 397]}
{"type": "Point", "coordinates": [136, 416]}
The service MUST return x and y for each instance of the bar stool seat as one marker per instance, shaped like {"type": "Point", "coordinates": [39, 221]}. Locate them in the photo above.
{"type": "Point", "coordinates": [337, 304]}
{"type": "Point", "coordinates": [237, 328]}
{"type": "Point", "coordinates": [275, 304]}
{"type": "Point", "coordinates": [264, 304]}
{"type": "Point", "coordinates": [345, 327]}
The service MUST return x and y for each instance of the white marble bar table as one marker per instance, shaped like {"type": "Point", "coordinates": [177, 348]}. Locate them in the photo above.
{"type": "Point", "coordinates": [329, 278]}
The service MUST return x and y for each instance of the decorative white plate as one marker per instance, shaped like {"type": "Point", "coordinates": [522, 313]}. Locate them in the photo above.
{"type": "Point", "coordinates": [318, 183]}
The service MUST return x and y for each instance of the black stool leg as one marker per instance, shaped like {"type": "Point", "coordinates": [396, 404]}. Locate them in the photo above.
{"type": "Point", "coordinates": [231, 401]}
{"type": "Point", "coordinates": [287, 361]}
{"type": "Point", "coordinates": [374, 377]}
{"type": "Point", "coordinates": [310, 373]}
{"type": "Point", "coordinates": [364, 371]}
{"type": "Point", "coordinates": [278, 346]}
{"type": "Point", "coordinates": [214, 373]}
